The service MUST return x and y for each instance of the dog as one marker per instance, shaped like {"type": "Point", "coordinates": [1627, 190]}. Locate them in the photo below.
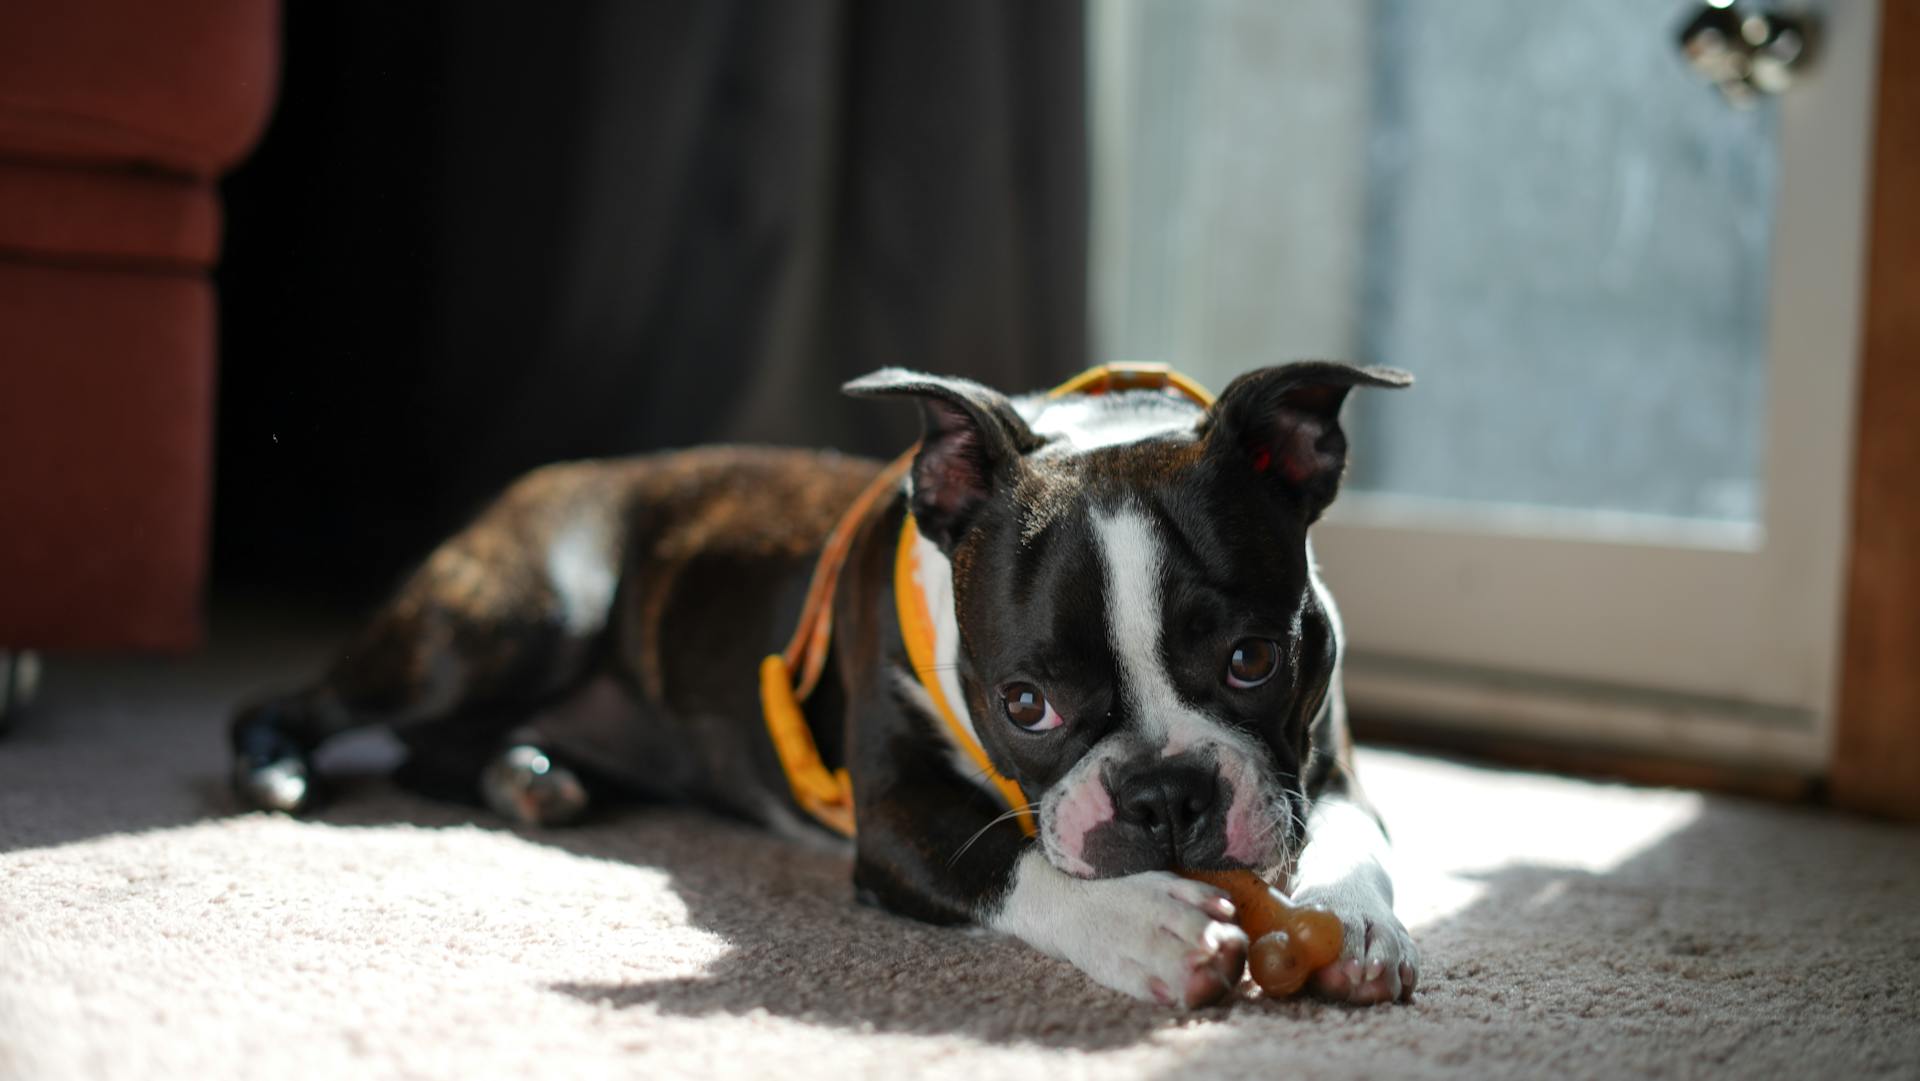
{"type": "Point", "coordinates": [1125, 619]}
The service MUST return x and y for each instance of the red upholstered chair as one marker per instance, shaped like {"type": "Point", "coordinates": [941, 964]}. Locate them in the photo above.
{"type": "Point", "coordinates": [116, 119]}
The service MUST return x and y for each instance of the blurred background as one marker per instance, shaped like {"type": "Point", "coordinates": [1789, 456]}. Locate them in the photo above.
{"type": "Point", "coordinates": [1626, 250]}
{"type": "Point", "coordinates": [477, 238]}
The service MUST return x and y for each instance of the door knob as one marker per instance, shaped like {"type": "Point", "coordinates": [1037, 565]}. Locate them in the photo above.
{"type": "Point", "coordinates": [1747, 50]}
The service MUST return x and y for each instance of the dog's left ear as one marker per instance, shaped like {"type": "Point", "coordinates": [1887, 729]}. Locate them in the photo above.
{"type": "Point", "coordinates": [1283, 423]}
{"type": "Point", "coordinates": [971, 443]}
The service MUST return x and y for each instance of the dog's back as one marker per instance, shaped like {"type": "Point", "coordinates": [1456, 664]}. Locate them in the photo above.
{"type": "Point", "coordinates": [545, 621]}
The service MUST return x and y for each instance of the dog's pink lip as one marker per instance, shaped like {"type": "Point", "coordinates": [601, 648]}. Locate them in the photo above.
{"type": "Point", "coordinates": [1240, 832]}
{"type": "Point", "coordinates": [1084, 809]}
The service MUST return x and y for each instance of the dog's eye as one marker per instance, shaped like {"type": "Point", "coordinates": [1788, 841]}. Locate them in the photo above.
{"type": "Point", "coordinates": [1253, 662]}
{"type": "Point", "coordinates": [1028, 708]}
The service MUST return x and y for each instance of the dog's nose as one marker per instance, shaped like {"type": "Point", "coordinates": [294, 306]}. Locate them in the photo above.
{"type": "Point", "coordinates": [1172, 803]}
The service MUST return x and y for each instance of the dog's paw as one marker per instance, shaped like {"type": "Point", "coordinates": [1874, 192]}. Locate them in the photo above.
{"type": "Point", "coordinates": [527, 787]}
{"type": "Point", "coordinates": [1378, 960]}
{"type": "Point", "coordinates": [271, 772]}
{"type": "Point", "coordinates": [1154, 936]}
{"type": "Point", "coordinates": [1160, 937]}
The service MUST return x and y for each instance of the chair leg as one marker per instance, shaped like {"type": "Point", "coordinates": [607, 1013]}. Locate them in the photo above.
{"type": "Point", "coordinates": [19, 680]}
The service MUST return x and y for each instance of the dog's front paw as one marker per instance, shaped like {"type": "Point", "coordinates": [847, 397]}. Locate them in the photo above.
{"type": "Point", "coordinates": [1154, 936]}
{"type": "Point", "coordinates": [1378, 960]}
{"type": "Point", "coordinates": [1161, 937]}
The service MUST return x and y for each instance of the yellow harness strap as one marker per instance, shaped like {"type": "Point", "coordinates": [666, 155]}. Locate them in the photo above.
{"type": "Point", "coordinates": [916, 630]}
{"type": "Point", "coordinates": [1130, 375]}
{"type": "Point", "coordinates": [828, 794]}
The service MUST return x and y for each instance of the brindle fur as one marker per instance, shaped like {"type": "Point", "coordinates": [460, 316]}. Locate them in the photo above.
{"type": "Point", "coordinates": [712, 549]}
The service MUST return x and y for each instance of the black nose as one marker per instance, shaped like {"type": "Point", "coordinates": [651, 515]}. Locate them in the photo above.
{"type": "Point", "coordinates": [1172, 803]}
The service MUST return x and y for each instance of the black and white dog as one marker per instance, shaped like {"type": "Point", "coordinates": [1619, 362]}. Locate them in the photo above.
{"type": "Point", "coordinates": [1125, 601]}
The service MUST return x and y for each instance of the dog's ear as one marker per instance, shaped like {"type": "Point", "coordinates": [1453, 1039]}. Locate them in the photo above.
{"type": "Point", "coordinates": [970, 444]}
{"type": "Point", "coordinates": [1283, 423]}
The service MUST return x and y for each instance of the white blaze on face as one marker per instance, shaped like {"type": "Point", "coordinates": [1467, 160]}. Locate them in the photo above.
{"type": "Point", "coordinates": [1131, 551]}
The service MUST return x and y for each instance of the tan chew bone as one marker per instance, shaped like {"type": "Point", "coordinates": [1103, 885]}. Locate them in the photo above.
{"type": "Point", "coordinates": [1290, 942]}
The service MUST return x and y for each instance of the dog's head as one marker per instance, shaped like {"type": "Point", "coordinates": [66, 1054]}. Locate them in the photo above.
{"type": "Point", "coordinates": [1142, 642]}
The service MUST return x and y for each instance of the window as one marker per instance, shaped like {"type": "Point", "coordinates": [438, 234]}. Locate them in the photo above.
{"type": "Point", "coordinates": [1613, 509]}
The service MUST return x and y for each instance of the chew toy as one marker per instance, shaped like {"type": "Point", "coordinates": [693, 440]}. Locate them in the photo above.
{"type": "Point", "coordinates": [1290, 942]}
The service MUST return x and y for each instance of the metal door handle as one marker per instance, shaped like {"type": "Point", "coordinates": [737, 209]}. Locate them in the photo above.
{"type": "Point", "coordinates": [1747, 50]}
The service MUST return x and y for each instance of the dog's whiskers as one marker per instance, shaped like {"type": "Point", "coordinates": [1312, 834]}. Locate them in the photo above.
{"type": "Point", "coordinates": [1291, 823]}
{"type": "Point", "coordinates": [1013, 812]}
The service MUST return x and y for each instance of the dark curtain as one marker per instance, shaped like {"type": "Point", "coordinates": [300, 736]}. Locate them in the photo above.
{"type": "Point", "coordinates": [481, 237]}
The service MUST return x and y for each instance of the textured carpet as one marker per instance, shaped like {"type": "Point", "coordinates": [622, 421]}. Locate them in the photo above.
{"type": "Point", "coordinates": [1571, 930]}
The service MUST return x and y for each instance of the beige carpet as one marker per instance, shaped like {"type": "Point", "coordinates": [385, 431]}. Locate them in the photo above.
{"type": "Point", "coordinates": [1571, 930]}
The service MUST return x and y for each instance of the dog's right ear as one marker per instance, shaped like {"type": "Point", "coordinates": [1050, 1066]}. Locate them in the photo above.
{"type": "Point", "coordinates": [970, 444]}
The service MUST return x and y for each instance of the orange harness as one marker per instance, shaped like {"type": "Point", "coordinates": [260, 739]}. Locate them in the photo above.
{"type": "Point", "coordinates": [788, 677]}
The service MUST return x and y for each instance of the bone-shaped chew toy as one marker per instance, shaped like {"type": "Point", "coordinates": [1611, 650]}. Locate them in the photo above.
{"type": "Point", "coordinates": [1290, 942]}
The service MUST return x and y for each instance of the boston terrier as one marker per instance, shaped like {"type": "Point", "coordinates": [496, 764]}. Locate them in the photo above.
{"type": "Point", "coordinates": [1126, 616]}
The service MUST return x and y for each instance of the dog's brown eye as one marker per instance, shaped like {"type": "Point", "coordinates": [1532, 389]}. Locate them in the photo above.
{"type": "Point", "coordinates": [1028, 708]}
{"type": "Point", "coordinates": [1253, 662]}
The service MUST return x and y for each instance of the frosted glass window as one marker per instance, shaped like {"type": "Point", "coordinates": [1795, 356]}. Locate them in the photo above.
{"type": "Point", "coordinates": [1534, 207]}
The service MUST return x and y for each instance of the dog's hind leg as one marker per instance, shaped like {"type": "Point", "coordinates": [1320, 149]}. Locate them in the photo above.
{"type": "Point", "coordinates": [544, 770]}
{"type": "Point", "coordinates": [595, 745]}
{"type": "Point", "coordinates": [531, 785]}
{"type": "Point", "coordinates": [501, 618]}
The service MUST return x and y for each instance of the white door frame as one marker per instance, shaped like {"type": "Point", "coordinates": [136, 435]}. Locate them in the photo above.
{"type": "Point", "coordinates": [1695, 639]}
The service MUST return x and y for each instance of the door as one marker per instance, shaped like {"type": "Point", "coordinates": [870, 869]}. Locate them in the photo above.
{"type": "Point", "coordinates": [1613, 509]}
